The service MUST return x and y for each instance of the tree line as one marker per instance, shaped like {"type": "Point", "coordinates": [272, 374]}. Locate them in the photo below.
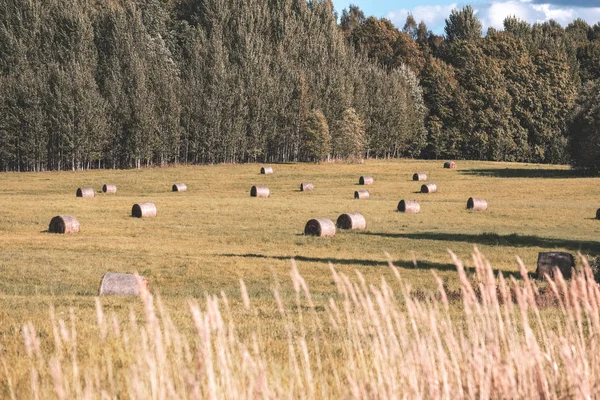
{"type": "Point", "coordinates": [121, 84]}
{"type": "Point", "coordinates": [528, 92]}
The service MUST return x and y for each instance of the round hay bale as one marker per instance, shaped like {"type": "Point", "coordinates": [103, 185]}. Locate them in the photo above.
{"type": "Point", "coordinates": [366, 180]}
{"type": "Point", "coordinates": [361, 194]}
{"type": "Point", "coordinates": [476, 204]}
{"type": "Point", "coordinates": [409, 206]}
{"type": "Point", "coordinates": [179, 187]}
{"type": "Point", "coordinates": [429, 188]}
{"type": "Point", "coordinates": [63, 224]}
{"type": "Point", "coordinates": [306, 186]}
{"type": "Point", "coordinates": [116, 284]}
{"type": "Point", "coordinates": [108, 188]}
{"type": "Point", "coordinates": [598, 214]}
{"type": "Point", "coordinates": [143, 210]}
{"type": "Point", "coordinates": [85, 192]}
{"type": "Point", "coordinates": [549, 261]}
{"type": "Point", "coordinates": [450, 164]}
{"type": "Point", "coordinates": [420, 176]}
{"type": "Point", "coordinates": [260, 191]}
{"type": "Point", "coordinates": [320, 227]}
{"type": "Point", "coordinates": [266, 170]}
{"type": "Point", "coordinates": [351, 221]}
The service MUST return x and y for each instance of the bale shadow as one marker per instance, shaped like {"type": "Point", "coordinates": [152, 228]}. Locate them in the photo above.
{"type": "Point", "coordinates": [494, 239]}
{"type": "Point", "coordinates": [525, 173]}
{"type": "Point", "coordinates": [421, 265]}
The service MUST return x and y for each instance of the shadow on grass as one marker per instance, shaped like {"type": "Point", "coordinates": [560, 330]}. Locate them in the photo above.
{"type": "Point", "coordinates": [421, 265]}
{"type": "Point", "coordinates": [524, 173]}
{"type": "Point", "coordinates": [494, 239]}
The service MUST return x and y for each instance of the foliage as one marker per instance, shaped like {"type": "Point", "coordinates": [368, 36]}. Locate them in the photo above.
{"type": "Point", "coordinates": [140, 83]}
{"type": "Point", "coordinates": [584, 129]}
{"type": "Point", "coordinates": [316, 140]}
{"type": "Point", "coordinates": [348, 139]}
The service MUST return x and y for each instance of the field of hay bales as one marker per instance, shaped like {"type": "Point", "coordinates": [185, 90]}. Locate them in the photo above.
{"type": "Point", "coordinates": [206, 239]}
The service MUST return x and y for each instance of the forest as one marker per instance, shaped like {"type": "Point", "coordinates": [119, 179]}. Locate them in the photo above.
{"type": "Point", "coordinates": [126, 84]}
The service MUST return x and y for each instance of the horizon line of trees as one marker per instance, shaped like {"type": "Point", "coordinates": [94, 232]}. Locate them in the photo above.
{"type": "Point", "coordinates": [124, 84]}
{"type": "Point", "coordinates": [525, 93]}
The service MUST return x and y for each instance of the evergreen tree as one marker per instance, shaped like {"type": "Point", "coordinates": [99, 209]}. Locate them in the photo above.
{"type": "Point", "coordinates": [463, 25]}
{"type": "Point", "coordinates": [348, 139]}
{"type": "Point", "coordinates": [316, 140]}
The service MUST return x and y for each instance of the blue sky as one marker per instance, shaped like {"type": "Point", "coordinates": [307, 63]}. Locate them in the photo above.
{"type": "Point", "coordinates": [490, 12]}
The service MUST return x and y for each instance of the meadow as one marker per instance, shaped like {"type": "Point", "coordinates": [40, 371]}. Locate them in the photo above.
{"type": "Point", "coordinates": [205, 241]}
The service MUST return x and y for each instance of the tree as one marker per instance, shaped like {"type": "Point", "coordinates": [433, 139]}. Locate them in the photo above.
{"type": "Point", "coordinates": [351, 20]}
{"type": "Point", "coordinates": [410, 27]}
{"type": "Point", "coordinates": [348, 139]}
{"type": "Point", "coordinates": [463, 25]}
{"type": "Point", "coordinates": [584, 129]}
{"type": "Point", "coordinates": [316, 141]}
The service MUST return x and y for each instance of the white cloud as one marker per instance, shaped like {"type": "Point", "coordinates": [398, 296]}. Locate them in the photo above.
{"type": "Point", "coordinates": [492, 13]}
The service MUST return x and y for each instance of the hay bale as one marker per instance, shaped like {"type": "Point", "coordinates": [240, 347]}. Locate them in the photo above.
{"type": "Point", "coordinates": [366, 180]}
{"type": "Point", "coordinates": [409, 206]}
{"type": "Point", "coordinates": [320, 227]}
{"type": "Point", "coordinates": [108, 188]}
{"type": "Point", "coordinates": [260, 191]}
{"type": "Point", "coordinates": [85, 192]}
{"type": "Point", "coordinates": [361, 195]}
{"type": "Point", "coordinates": [351, 221]}
{"type": "Point", "coordinates": [116, 284]}
{"type": "Point", "coordinates": [420, 176]}
{"type": "Point", "coordinates": [63, 224]}
{"type": "Point", "coordinates": [266, 170]}
{"type": "Point", "coordinates": [429, 188]}
{"type": "Point", "coordinates": [143, 210]}
{"type": "Point", "coordinates": [179, 187]}
{"type": "Point", "coordinates": [476, 204]}
{"type": "Point", "coordinates": [549, 261]}
{"type": "Point", "coordinates": [450, 164]}
{"type": "Point", "coordinates": [306, 186]}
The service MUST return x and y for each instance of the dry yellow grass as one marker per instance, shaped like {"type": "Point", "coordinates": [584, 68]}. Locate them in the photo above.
{"type": "Point", "coordinates": [204, 241]}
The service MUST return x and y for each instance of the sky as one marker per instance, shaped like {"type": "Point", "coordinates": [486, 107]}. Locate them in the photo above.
{"type": "Point", "coordinates": [490, 12]}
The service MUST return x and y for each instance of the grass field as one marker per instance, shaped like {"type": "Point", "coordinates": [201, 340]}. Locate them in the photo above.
{"type": "Point", "coordinates": [206, 239]}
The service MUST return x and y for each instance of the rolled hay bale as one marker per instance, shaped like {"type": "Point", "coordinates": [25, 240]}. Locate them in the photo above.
{"type": "Point", "coordinates": [420, 176]}
{"type": "Point", "coordinates": [548, 262]}
{"type": "Point", "coordinates": [306, 186]}
{"type": "Point", "coordinates": [450, 164]}
{"type": "Point", "coordinates": [429, 188]}
{"type": "Point", "coordinates": [116, 284]}
{"type": "Point", "coordinates": [64, 224]}
{"type": "Point", "coordinates": [260, 191]}
{"type": "Point", "coordinates": [476, 204]}
{"type": "Point", "coordinates": [108, 188]}
{"type": "Point", "coordinates": [320, 227]}
{"type": "Point", "coordinates": [361, 195]}
{"type": "Point", "coordinates": [366, 180]}
{"type": "Point", "coordinates": [266, 170]}
{"type": "Point", "coordinates": [352, 221]}
{"type": "Point", "coordinates": [85, 192]}
{"type": "Point", "coordinates": [179, 187]}
{"type": "Point", "coordinates": [143, 210]}
{"type": "Point", "coordinates": [409, 206]}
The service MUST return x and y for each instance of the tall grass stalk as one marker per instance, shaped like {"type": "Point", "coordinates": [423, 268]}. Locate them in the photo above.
{"type": "Point", "coordinates": [511, 340]}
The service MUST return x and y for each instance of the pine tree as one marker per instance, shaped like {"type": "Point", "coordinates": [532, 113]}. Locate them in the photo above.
{"type": "Point", "coordinates": [316, 141]}
{"type": "Point", "coordinates": [463, 25]}
{"type": "Point", "coordinates": [348, 139]}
